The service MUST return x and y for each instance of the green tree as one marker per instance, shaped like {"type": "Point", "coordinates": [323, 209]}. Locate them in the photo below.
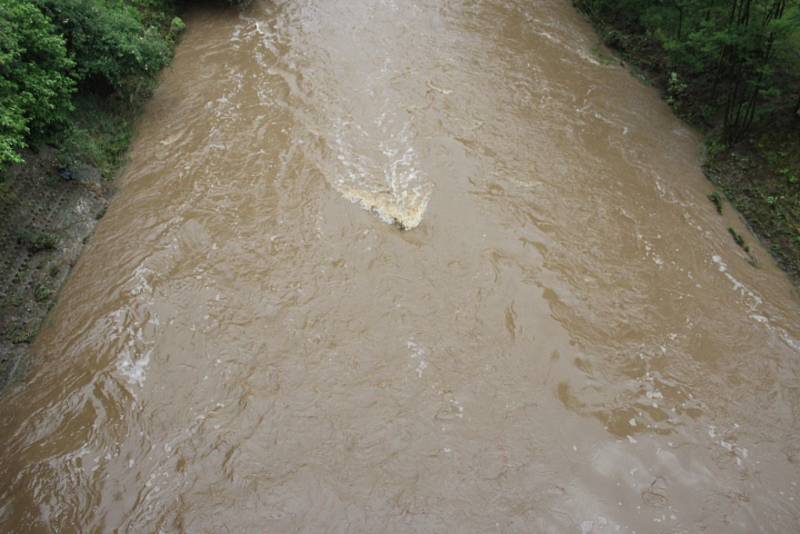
{"type": "Point", "coordinates": [35, 85]}
{"type": "Point", "coordinates": [113, 49]}
{"type": "Point", "coordinates": [737, 58]}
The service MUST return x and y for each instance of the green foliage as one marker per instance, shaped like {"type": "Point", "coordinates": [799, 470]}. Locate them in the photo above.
{"type": "Point", "coordinates": [42, 292]}
{"type": "Point", "coordinates": [177, 26]}
{"type": "Point", "coordinates": [36, 241]}
{"type": "Point", "coordinates": [738, 239]}
{"type": "Point", "coordinates": [23, 335]}
{"type": "Point", "coordinates": [675, 89]}
{"type": "Point", "coordinates": [713, 147]}
{"type": "Point", "coordinates": [731, 67]}
{"type": "Point", "coordinates": [113, 49]}
{"type": "Point", "coordinates": [98, 135]}
{"type": "Point", "coordinates": [716, 199]}
{"type": "Point", "coordinates": [34, 81]}
{"type": "Point", "coordinates": [738, 60]}
{"type": "Point", "coordinates": [108, 50]}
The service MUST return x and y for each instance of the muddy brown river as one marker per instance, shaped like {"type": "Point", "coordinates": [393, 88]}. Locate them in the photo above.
{"type": "Point", "coordinates": [565, 338]}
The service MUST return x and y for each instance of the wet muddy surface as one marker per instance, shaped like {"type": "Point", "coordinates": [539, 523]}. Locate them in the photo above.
{"type": "Point", "coordinates": [564, 339]}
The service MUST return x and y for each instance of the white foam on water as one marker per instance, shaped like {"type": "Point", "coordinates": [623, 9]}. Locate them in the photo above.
{"type": "Point", "coordinates": [737, 285]}
{"type": "Point", "coordinates": [459, 408]}
{"type": "Point", "coordinates": [141, 277]}
{"type": "Point", "coordinates": [133, 369]}
{"type": "Point", "coordinates": [757, 301]}
{"type": "Point", "coordinates": [136, 329]}
{"type": "Point", "coordinates": [419, 354]}
{"type": "Point", "coordinates": [390, 186]}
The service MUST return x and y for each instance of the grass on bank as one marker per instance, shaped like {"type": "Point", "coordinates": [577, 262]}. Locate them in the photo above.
{"type": "Point", "coordinates": [760, 177]}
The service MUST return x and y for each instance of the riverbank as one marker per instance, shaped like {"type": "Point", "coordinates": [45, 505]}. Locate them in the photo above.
{"type": "Point", "coordinates": [47, 221]}
{"type": "Point", "coordinates": [758, 175]}
{"type": "Point", "coordinates": [53, 199]}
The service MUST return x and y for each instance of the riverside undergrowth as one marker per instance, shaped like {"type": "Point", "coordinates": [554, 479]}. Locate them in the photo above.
{"type": "Point", "coordinates": [732, 70]}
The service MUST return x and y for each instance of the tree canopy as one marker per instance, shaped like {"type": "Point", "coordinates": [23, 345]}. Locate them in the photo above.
{"type": "Point", "coordinates": [35, 76]}
{"type": "Point", "coordinates": [741, 58]}
{"type": "Point", "coordinates": [52, 49]}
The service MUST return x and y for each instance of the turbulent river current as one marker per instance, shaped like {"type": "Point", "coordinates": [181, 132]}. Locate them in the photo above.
{"type": "Point", "coordinates": [389, 266]}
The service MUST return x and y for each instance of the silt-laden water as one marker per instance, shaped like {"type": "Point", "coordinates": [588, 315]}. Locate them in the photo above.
{"type": "Point", "coordinates": [564, 339]}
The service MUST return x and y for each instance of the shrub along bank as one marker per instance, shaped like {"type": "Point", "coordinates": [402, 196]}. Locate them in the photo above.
{"type": "Point", "coordinates": [73, 71]}
{"type": "Point", "coordinates": [732, 69]}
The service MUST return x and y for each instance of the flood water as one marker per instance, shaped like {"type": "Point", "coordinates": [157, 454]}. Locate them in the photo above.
{"type": "Point", "coordinates": [565, 338]}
